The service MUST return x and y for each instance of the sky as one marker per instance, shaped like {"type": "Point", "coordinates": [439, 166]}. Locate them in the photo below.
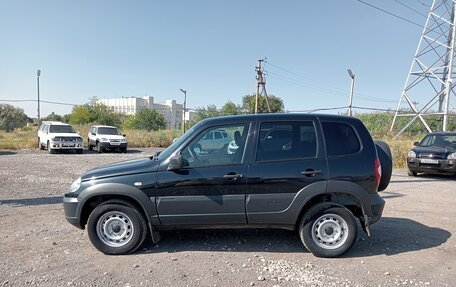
{"type": "Point", "coordinates": [109, 49]}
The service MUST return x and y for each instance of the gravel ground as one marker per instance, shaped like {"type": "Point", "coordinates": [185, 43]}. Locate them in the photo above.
{"type": "Point", "coordinates": [412, 245]}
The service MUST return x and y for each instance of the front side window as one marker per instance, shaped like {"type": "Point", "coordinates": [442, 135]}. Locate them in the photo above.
{"type": "Point", "coordinates": [286, 141]}
{"type": "Point", "coordinates": [209, 148]}
{"type": "Point", "coordinates": [340, 138]}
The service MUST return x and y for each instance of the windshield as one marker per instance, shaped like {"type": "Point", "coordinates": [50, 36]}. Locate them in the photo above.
{"type": "Point", "coordinates": [439, 140]}
{"type": "Point", "coordinates": [169, 150]}
{"type": "Point", "coordinates": [61, 129]}
{"type": "Point", "coordinates": [108, 131]}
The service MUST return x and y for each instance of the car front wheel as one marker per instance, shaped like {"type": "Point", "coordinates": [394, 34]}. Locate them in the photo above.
{"type": "Point", "coordinates": [328, 232]}
{"type": "Point", "coordinates": [115, 227]}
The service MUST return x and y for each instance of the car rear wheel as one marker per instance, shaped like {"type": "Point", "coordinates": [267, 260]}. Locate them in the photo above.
{"type": "Point", "coordinates": [116, 227]}
{"type": "Point", "coordinates": [328, 232]}
{"type": "Point", "coordinates": [89, 146]}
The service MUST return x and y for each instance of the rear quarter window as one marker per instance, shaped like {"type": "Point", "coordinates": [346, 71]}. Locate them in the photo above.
{"type": "Point", "coordinates": [340, 139]}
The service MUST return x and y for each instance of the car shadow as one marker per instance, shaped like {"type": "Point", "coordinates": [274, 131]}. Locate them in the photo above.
{"type": "Point", "coordinates": [7, 152]}
{"type": "Point", "coordinates": [390, 236]}
{"type": "Point", "coordinates": [32, 201]}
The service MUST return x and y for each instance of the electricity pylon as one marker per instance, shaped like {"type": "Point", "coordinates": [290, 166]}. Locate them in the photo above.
{"type": "Point", "coordinates": [430, 78]}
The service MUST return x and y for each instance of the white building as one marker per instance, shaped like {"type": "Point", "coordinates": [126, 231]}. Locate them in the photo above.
{"type": "Point", "coordinates": [171, 111]}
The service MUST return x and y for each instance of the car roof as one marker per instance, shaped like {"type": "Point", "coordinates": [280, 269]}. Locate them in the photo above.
{"type": "Point", "coordinates": [55, 123]}
{"type": "Point", "coordinates": [101, 126]}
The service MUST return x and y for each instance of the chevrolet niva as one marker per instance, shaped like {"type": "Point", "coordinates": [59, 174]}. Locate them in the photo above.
{"type": "Point", "coordinates": [312, 173]}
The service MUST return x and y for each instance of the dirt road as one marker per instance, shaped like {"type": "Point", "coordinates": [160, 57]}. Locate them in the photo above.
{"type": "Point", "coordinates": [412, 245]}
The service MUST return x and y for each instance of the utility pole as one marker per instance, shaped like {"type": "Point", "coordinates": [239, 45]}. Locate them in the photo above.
{"type": "Point", "coordinates": [260, 82]}
{"type": "Point", "coordinates": [352, 88]}
{"type": "Point", "coordinates": [38, 74]}
{"type": "Point", "coordinates": [185, 105]}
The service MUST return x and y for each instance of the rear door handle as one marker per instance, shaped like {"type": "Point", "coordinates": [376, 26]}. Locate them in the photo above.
{"type": "Point", "coordinates": [311, 172]}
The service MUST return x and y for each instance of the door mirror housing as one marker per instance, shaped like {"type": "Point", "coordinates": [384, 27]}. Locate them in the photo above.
{"type": "Point", "coordinates": [94, 134]}
{"type": "Point", "coordinates": [175, 162]}
{"type": "Point", "coordinates": [416, 143]}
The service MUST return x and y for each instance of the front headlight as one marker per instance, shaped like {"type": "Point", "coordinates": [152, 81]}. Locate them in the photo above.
{"type": "Point", "coordinates": [452, 156]}
{"type": "Point", "coordinates": [411, 154]}
{"type": "Point", "coordinates": [123, 140]}
{"type": "Point", "coordinates": [75, 185]}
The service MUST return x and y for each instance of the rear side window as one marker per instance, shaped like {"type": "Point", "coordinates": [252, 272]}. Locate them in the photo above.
{"type": "Point", "coordinates": [286, 140]}
{"type": "Point", "coordinates": [340, 138]}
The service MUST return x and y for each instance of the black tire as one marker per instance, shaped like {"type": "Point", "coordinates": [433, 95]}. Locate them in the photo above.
{"type": "Point", "coordinates": [116, 227]}
{"type": "Point", "coordinates": [411, 172]}
{"type": "Point", "coordinates": [328, 231]}
{"type": "Point", "coordinates": [386, 160]}
{"type": "Point", "coordinates": [99, 148]}
{"type": "Point", "coordinates": [40, 146]}
{"type": "Point", "coordinates": [89, 146]}
{"type": "Point", "coordinates": [50, 150]}
{"type": "Point", "coordinates": [124, 150]}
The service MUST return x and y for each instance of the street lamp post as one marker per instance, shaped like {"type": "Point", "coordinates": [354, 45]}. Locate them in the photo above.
{"type": "Point", "coordinates": [185, 105]}
{"type": "Point", "coordinates": [352, 76]}
{"type": "Point", "coordinates": [38, 74]}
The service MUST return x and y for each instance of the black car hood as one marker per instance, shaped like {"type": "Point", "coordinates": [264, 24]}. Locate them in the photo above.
{"type": "Point", "coordinates": [435, 151]}
{"type": "Point", "coordinates": [142, 165]}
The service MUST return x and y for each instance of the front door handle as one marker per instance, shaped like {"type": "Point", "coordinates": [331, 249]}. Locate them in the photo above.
{"type": "Point", "coordinates": [232, 176]}
{"type": "Point", "coordinates": [311, 172]}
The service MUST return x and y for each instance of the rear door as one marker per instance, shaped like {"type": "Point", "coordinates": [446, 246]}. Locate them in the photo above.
{"type": "Point", "coordinates": [289, 158]}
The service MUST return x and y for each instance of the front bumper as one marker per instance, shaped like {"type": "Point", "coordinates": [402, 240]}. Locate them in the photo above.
{"type": "Point", "coordinates": [70, 207]}
{"type": "Point", "coordinates": [65, 145]}
{"type": "Point", "coordinates": [439, 166]}
{"type": "Point", "coordinates": [113, 145]}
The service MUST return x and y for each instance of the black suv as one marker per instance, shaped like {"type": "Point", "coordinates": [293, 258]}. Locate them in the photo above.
{"type": "Point", "coordinates": [311, 173]}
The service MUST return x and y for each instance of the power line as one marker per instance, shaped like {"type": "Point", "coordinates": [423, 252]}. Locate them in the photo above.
{"type": "Point", "coordinates": [422, 3]}
{"type": "Point", "coordinates": [390, 13]}
{"type": "Point", "coordinates": [47, 102]}
{"type": "Point", "coordinates": [417, 12]}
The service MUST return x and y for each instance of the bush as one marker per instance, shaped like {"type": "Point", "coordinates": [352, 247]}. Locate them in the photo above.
{"type": "Point", "coordinates": [11, 117]}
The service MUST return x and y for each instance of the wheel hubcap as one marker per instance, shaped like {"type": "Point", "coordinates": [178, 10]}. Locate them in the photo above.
{"type": "Point", "coordinates": [330, 231]}
{"type": "Point", "coordinates": [115, 229]}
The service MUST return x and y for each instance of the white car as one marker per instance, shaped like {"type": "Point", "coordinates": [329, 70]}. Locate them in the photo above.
{"type": "Point", "coordinates": [106, 138]}
{"type": "Point", "coordinates": [56, 136]}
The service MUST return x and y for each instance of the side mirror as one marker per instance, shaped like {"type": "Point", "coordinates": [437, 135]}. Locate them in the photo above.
{"type": "Point", "coordinates": [416, 143]}
{"type": "Point", "coordinates": [94, 134]}
{"type": "Point", "coordinates": [124, 135]}
{"type": "Point", "coordinates": [175, 162]}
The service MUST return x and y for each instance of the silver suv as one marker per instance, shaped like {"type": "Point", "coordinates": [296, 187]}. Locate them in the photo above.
{"type": "Point", "coordinates": [56, 136]}
{"type": "Point", "coordinates": [106, 138]}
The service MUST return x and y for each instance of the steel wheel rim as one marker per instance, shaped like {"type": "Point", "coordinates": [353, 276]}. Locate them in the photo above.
{"type": "Point", "coordinates": [330, 231]}
{"type": "Point", "coordinates": [115, 229]}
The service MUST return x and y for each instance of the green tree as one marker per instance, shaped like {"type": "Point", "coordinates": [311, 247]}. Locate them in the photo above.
{"type": "Point", "coordinates": [80, 115]}
{"type": "Point", "coordinates": [145, 120]}
{"type": "Point", "coordinates": [230, 108]}
{"type": "Point", "coordinates": [11, 117]}
{"type": "Point", "coordinates": [206, 112]}
{"type": "Point", "coordinates": [275, 103]}
{"type": "Point", "coordinates": [53, 117]}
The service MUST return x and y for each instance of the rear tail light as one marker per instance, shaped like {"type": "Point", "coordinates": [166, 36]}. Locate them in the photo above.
{"type": "Point", "coordinates": [377, 171]}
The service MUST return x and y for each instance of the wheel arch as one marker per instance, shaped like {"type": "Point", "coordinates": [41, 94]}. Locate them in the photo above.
{"type": "Point", "coordinates": [95, 195]}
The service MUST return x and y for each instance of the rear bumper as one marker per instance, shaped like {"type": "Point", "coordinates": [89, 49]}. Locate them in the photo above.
{"type": "Point", "coordinates": [377, 204]}
{"type": "Point", "coordinates": [441, 166]}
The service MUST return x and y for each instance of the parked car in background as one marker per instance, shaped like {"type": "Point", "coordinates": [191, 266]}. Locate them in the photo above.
{"type": "Point", "coordinates": [317, 174]}
{"type": "Point", "coordinates": [436, 153]}
{"type": "Point", "coordinates": [104, 138]}
{"type": "Point", "coordinates": [55, 136]}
